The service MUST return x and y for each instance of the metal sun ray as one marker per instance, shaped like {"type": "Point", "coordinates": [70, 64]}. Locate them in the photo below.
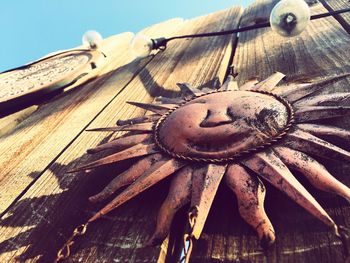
{"type": "Point", "coordinates": [268, 133]}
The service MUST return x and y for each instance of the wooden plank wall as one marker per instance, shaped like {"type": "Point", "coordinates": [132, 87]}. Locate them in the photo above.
{"type": "Point", "coordinates": [39, 139]}
{"type": "Point", "coordinates": [40, 204]}
{"type": "Point", "coordinates": [316, 53]}
{"type": "Point", "coordinates": [46, 204]}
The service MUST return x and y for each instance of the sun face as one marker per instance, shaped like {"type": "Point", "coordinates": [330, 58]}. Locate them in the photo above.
{"type": "Point", "coordinates": [221, 125]}
{"type": "Point", "coordinates": [233, 135]}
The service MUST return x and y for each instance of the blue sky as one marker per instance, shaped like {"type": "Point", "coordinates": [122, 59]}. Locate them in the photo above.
{"type": "Point", "coordinates": [31, 29]}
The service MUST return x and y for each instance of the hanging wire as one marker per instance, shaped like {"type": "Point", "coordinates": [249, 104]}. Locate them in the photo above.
{"type": "Point", "coordinates": [256, 26]}
{"type": "Point", "coordinates": [160, 43]}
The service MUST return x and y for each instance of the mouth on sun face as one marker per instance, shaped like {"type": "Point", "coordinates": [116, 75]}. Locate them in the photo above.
{"type": "Point", "coordinates": [238, 137]}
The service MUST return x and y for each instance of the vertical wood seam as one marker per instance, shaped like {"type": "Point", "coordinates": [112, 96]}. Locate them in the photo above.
{"type": "Point", "coordinates": [71, 142]}
{"type": "Point", "coordinates": [339, 18]}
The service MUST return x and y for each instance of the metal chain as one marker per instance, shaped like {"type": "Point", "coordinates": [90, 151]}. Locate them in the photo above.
{"type": "Point", "coordinates": [188, 236]}
{"type": "Point", "coordinates": [64, 252]}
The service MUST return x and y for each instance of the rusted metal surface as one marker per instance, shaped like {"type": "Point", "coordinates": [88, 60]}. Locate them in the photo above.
{"type": "Point", "coordinates": [220, 125]}
{"type": "Point", "coordinates": [250, 192]}
{"type": "Point", "coordinates": [223, 125]}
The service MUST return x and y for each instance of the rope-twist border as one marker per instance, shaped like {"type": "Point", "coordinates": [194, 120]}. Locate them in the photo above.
{"type": "Point", "coordinates": [261, 147]}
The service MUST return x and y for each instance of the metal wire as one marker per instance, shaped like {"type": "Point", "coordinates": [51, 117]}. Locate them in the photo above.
{"type": "Point", "coordinates": [252, 27]}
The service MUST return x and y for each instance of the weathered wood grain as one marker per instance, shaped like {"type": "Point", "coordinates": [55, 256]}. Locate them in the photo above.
{"type": "Point", "coordinates": [343, 19]}
{"type": "Point", "coordinates": [10, 122]}
{"type": "Point", "coordinates": [35, 143]}
{"type": "Point", "coordinates": [316, 53]}
{"type": "Point", "coordinates": [37, 224]}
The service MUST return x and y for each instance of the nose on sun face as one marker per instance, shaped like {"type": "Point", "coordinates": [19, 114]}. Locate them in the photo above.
{"type": "Point", "coordinates": [216, 117]}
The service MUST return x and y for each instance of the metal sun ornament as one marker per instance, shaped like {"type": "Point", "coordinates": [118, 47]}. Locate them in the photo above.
{"type": "Point", "coordinates": [235, 135]}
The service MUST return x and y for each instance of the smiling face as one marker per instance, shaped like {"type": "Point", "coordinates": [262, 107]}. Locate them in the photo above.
{"type": "Point", "coordinates": [223, 124]}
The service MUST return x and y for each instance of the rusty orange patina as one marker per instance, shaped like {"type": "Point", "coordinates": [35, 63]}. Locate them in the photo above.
{"type": "Point", "coordinates": [235, 135]}
{"type": "Point", "coordinates": [223, 125]}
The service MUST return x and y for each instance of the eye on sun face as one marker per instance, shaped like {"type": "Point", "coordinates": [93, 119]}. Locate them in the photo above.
{"type": "Point", "coordinates": [235, 136]}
